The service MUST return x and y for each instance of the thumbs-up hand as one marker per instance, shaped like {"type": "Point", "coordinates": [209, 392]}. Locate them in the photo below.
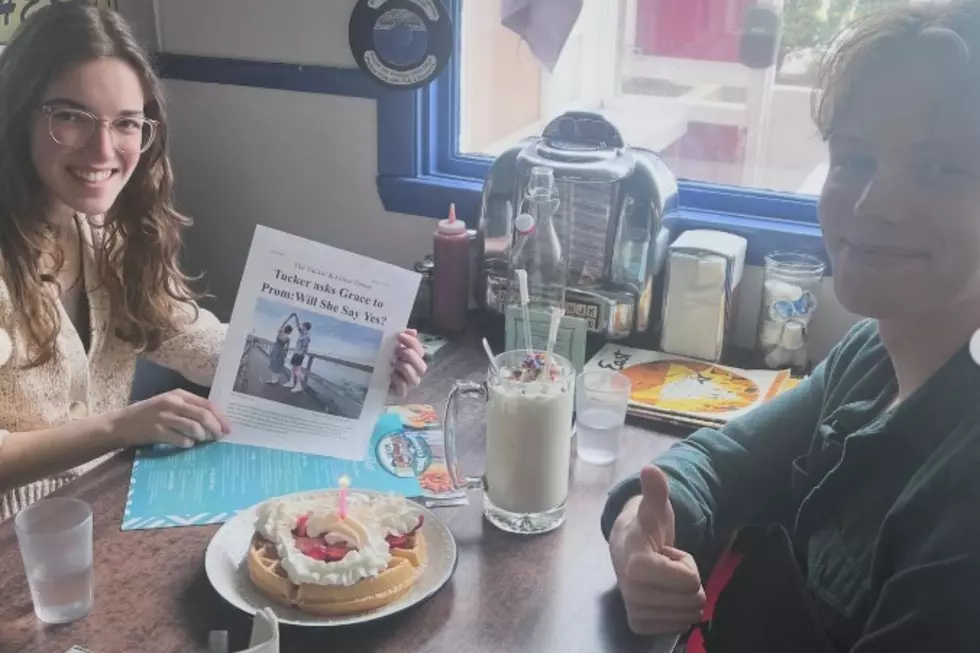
{"type": "Point", "coordinates": [661, 586]}
{"type": "Point", "coordinates": [654, 513]}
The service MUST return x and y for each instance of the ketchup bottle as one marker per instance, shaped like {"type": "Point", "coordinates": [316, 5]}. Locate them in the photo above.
{"type": "Point", "coordinates": [450, 278]}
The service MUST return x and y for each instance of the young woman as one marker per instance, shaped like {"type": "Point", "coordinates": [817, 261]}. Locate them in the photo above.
{"type": "Point", "coordinates": [868, 474]}
{"type": "Point", "coordinates": [89, 241]}
{"type": "Point", "coordinates": [277, 357]}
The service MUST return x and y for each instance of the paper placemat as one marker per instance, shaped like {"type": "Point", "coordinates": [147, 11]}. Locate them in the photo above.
{"type": "Point", "coordinates": [211, 483]}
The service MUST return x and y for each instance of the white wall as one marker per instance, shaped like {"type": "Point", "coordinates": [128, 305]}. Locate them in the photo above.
{"type": "Point", "coordinates": [299, 162]}
{"type": "Point", "coordinates": [141, 17]}
{"type": "Point", "coordinates": [297, 31]}
{"type": "Point", "coordinates": [303, 163]}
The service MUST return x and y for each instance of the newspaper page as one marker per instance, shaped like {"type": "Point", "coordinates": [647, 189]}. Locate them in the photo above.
{"type": "Point", "coordinates": [307, 361]}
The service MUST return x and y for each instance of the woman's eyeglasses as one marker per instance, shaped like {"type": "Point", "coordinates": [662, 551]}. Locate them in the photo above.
{"type": "Point", "coordinates": [74, 128]}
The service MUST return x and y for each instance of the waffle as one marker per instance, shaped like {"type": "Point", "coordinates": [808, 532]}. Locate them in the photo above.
{"type": "Point", "coordinates": [333, 600]}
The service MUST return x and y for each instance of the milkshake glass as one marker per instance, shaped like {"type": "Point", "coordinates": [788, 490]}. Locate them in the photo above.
{"type": "Point", "coordinates": [528, 444]}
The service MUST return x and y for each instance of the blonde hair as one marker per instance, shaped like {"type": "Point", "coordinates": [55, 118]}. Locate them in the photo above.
{"type": "Point", "coordinates": [950, 31]}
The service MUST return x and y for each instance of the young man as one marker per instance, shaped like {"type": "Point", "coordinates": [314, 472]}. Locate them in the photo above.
{"type": "Point", "coordinates": [868, 473]}
{"type": "Point", "coordinates": [302, 346]}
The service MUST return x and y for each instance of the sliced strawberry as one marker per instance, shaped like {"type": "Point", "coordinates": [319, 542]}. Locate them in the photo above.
{"type": "Point", "coordinates": [335, 552]}
{"type": "Point", "coordinates": [318, 553]}
{"type": "Point", "coordinates": [306, 545]}
{"type": "Point", "coordinates": [397, 541]}
{"type": "Point", "coordinates": [406, 541]}
{"type": "Point", "coordinates": [301, 525]}
{"type": "Point", "coordinates": [317, 549]}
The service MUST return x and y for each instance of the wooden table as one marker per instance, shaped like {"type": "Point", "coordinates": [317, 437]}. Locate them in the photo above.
{"type": "Point", "coordinates": [547, 593]}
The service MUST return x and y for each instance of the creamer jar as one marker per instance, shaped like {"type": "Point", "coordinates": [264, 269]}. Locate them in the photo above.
{"type": "Point", "coordinates": [529, 438]}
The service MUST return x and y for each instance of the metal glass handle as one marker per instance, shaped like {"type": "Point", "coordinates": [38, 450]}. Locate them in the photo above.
{"type": "Point", "coordinates": [460, 389]}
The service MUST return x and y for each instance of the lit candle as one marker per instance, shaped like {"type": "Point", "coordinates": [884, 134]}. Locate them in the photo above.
{"type": "Point", "coordinates": [343, 482]}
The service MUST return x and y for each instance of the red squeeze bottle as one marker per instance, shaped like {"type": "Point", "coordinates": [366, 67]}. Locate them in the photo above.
{"type": "Point", "coordinates": [450, 278]}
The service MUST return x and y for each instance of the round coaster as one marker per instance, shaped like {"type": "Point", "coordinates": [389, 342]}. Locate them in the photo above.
{"type": "Point", "coordinates": [403, 454]}
{"type": "Point", "coordinates": [402, 44]}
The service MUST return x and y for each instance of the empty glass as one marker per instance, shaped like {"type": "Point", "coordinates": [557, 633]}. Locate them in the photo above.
{"type": "Point", "coordinates": [55, 537]}
{"type": "Point", "coordinates": [601, 399]}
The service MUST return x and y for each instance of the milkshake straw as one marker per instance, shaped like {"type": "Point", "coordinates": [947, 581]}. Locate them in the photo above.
{"type": "Point", "coordinates": [493, 365]}
{"type": "Point", "coordinates": [525, 313]}
{"type": "Point", "coordinates": [556, 315]}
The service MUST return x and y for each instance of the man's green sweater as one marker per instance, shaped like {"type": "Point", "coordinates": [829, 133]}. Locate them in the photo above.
{"type": "Point", "coordinates": [882, 505]}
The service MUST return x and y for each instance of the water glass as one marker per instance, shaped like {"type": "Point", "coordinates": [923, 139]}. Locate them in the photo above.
{"type": "Point", "coordinates": [601, 399]}
{"type": "Point", "coordinates": [55, 538]}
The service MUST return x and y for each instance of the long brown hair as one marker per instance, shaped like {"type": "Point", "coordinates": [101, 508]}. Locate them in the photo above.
{"type": "Point", "coordinates": [950, 31]}
{"type": "Point", "coordinates": [138, 256]}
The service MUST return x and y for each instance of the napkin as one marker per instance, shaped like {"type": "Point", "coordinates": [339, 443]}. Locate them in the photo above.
{"type": "Point", "coordinates": [265, 633]}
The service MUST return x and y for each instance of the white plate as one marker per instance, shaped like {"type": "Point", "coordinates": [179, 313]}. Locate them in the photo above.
{"type": "Point", "coordinates": [227, 569]}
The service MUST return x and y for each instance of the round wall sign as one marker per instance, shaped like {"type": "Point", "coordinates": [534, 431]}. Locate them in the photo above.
{"type": "Point", "coordinates": [401, 43]}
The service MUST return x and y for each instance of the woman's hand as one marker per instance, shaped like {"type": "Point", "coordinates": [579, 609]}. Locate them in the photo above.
{"type": "Point", "coordinates": [409, 364]}
{"type": "Point", "coordinates": [177, 417]}
{"type": "Point", "coordinates": [661, 586]}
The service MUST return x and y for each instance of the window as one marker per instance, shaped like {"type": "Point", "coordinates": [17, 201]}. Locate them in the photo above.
{"type": "Point", "coordinates": [667, 74]}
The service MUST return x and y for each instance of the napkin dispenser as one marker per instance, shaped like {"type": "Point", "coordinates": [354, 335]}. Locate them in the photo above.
{"type": "Point", "coordinates": [704, 272]}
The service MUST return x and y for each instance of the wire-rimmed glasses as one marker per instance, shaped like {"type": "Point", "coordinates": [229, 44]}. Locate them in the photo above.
{"type": "Point", "coordinates": [74, 128]}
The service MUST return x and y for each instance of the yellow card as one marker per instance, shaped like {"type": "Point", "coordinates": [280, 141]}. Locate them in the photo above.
{"type": "Point", "coordinates": [14, 12]}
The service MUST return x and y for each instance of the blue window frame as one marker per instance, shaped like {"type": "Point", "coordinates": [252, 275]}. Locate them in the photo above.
{"type": "Point", "coordinates": [420, 171]}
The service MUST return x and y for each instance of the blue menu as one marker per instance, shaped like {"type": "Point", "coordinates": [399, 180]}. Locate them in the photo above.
{"type": "Point", "coordinates": [211, 483]}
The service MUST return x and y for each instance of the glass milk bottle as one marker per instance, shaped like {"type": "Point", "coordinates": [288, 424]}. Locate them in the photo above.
{"type": "Point", "coordinates": [538, 249]}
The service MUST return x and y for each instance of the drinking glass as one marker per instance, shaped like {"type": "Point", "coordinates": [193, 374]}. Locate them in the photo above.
{"type": "Point", "coordinates": [790, 290]}
{"type": "Point", "coordinates": [601, 399]}
{"type": "Point", "coordinates": [528, 447]}
{"type": "Point", "coordinates": [55, 538]}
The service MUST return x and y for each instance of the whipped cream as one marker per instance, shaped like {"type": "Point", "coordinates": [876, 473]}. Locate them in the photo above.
{"type": "Point", "coordinates": [349, 531]}
{"type": "Point", "coordinates": [276, 521]}
{"type": "Point", "coordinates": [396, 515]}
{"type": "Point", "coordinates": [274, 517]}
